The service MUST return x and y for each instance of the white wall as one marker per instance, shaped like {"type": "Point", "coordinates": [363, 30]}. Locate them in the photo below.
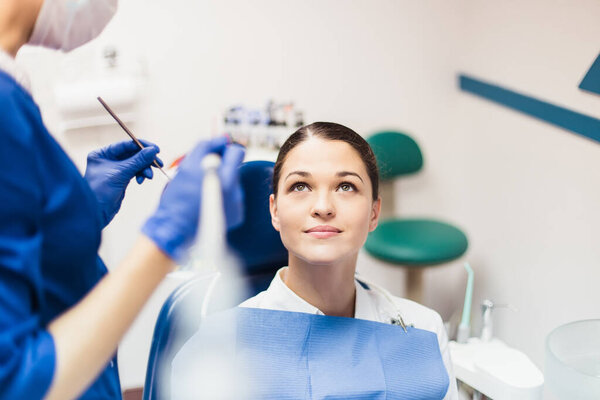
{"type": "Point", "coordinates": [525, 192]}
{"type": "Point", "coordinates": [528, 192]}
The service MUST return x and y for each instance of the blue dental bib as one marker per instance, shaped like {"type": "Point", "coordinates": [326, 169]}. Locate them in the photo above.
{"type": "Point", "coordinates": [290, 355]}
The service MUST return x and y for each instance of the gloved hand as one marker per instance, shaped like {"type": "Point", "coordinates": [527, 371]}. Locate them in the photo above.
{"type": "Point", "coordinates": [175, 223]}
{"type": "Point", "coordinates": [110, 169]}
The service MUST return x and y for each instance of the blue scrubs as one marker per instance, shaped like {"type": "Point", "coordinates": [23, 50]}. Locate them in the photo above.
{"type": "Point", "coordinates": [49, 237]}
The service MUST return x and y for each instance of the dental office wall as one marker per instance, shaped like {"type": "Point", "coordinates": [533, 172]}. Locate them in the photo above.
{"type": "Point", "coordinates": [526, 193]}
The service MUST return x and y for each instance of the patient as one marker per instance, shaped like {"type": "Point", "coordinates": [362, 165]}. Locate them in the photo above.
{"type": "Point", "coordinates": [325, 201]}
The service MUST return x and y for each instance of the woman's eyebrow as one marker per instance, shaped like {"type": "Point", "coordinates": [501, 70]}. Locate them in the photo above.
{"type": "Point", "coordinates": [301, 173]}
{"type": "Point", "coordinates": [346, 173]}
{"type": "Point", "coordinates": [339, 174]}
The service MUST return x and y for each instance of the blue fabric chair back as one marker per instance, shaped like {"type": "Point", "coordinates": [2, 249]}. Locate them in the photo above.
{"type": "Point", "coordinates": [261, 252]}
{"type": "Point", "coordinates": [256, 242]}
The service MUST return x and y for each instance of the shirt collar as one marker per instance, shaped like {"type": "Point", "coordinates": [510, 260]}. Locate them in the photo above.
{"type": "Point", "coordinates": [286, 299]}
{"type": "Point", "coordinates": [9, 65]}
{"type": "Point", "coordinates": [364, 307]}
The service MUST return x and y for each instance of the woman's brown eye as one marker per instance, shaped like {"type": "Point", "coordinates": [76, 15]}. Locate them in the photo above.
{"type": "Point", "coordinates": [346, 187]}
{"type": "Point", "coordinates": [299, 187]}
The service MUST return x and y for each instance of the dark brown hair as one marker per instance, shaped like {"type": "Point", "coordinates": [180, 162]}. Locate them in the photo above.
{"type": "Point", "coordinates": [330, 131]}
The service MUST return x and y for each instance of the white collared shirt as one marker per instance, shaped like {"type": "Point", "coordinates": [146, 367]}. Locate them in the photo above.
{"type": "Point", "coordinates": [9, 65]}
{"type": "Point", "coordinates": [371, 305]}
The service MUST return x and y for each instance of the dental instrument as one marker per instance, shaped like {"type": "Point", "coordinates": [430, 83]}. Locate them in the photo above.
{"type": "Point", "coordinates": [464, 329]}
{"type": "Point", "coordinates": [212, 235]}
{"type": "Point", "coordinates": [398, 320]}
{"type": "Point", "coordinates": [122, 125]}
{"type": "Point", "coordinates": [211, 261]}
{"type": "Point", "coordinates": [487, 323]}
{"type": "Point", "coordinates": [210, 256]}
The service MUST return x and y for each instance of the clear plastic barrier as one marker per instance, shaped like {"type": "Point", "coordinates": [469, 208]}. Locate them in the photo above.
{"type": "Point", "coordinates": [572, 367]}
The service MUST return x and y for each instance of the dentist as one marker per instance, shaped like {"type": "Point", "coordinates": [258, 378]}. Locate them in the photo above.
{"type": "Point", "coordinates": [61, 315]}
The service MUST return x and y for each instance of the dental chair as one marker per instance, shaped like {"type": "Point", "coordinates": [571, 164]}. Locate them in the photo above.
{"type": "Point", "coordinates": [414, 243]}
{"type": "Point", "coordinates": [261, 254]}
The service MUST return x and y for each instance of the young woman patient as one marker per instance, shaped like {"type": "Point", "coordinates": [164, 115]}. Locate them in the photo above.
{"type": "Point", "coordinates": [325, 201]}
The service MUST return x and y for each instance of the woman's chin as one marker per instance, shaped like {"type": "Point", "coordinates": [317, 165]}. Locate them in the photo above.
{"type": "Point", "coordinates": [323, 259]}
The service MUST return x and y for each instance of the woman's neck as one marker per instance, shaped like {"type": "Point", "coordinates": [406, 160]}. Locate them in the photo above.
{"type": "Point", "coordinates": [330, 288]}
{"type": "Point", "coordinates": [17, 19]}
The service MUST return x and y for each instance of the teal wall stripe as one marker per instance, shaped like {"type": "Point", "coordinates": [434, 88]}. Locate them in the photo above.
{"type": "Point", "coordinates": [571, 120]}
{"type": "Point", "coordinates": [591, 81]}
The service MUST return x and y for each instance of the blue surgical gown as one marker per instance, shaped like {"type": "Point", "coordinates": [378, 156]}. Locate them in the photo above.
{"type": "Point", "coordinates": [49, 237]}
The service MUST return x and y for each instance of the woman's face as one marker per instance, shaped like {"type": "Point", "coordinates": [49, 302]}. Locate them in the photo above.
{"type": "Point", "coordinates": [324, 207]}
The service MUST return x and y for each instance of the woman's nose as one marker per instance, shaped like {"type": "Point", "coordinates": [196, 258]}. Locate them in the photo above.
{"type": "Point", "coordinates": [323, 207]}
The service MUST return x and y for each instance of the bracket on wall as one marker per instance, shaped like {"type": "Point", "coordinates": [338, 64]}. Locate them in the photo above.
{"type": "Point", "coordinates": [591, 80]}
{"type": "Point", "coordinates": [573, 121]}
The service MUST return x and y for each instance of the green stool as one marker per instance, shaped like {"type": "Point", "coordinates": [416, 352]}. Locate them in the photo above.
{"type": "Point", "coordinates": [413, 243]}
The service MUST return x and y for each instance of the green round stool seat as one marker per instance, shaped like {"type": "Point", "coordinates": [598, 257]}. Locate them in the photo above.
{"type": "Point", "coordinates": [416, 242]}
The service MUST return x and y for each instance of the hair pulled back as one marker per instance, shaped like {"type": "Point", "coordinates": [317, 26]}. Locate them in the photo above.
{"type": "Point", "coordinates": [330, 131]}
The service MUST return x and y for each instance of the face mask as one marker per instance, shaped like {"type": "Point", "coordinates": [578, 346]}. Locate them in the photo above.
{"type": "Point", "coordinates": [68, 24]}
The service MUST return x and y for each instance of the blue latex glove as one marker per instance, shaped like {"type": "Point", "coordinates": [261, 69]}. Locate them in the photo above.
{"type": "Point", "coordinates": [173, 226]}
{"type": "Point", "coordinates": [110, 169]}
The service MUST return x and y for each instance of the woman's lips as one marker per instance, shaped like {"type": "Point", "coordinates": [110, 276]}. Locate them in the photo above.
{"type": "Point", "coordinates": [323, 231]}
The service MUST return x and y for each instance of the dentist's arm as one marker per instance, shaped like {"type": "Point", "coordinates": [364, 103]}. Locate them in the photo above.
{"type": "Point", "coordinates": [87, 335]}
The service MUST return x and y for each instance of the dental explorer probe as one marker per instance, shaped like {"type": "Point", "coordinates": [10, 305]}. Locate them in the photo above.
{"type": "Point", "coordinates": [122, 125]}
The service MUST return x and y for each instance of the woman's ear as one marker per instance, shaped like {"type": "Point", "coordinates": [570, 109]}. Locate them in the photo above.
{"type": "Point", "coordinates": [273, 210]}
{"type": "Point", "coordinates": [375, 211]}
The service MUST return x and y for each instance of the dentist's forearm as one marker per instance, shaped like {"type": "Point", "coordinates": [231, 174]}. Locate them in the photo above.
{"type": "Point", "coordinates": [87, 335]}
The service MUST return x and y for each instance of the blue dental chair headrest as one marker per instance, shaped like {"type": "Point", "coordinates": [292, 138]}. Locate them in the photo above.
{"type": "Point", "coordinates": [255, 240]}
{"type": "Point", "coordinates": [259, 248]}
